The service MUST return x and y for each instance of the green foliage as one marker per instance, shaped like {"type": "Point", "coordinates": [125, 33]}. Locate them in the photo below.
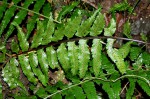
{"type": "Point", "coordinates": [124, 6]}
{"type": "Point", "coordinates": [67, 9]}
{"type": "Point", "coordinates": [59, 60]}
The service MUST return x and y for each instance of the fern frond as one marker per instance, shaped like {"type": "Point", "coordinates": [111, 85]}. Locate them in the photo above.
{"type": "Point", "coordinates": [90, 90]}
{"type": "Point", "coordinates": [131, 88]}
{"type": "Point", "coordinates": [84, 57]}
{"type": "Point", "coordinates": [8, 15]}
{"type": "Point", "coordinates": [24, 62]}
{"type": "Point", "coordinates": [67, 9]}
{"type": "Point", "coordinates": [73, 57]}
{"type": "Point", "coordinates": [31, 22]}
{"type": "Point", "coordinates": [84, 28]}
{"type": "Point", "coordinates": [63, 57]}
{"type": "Point", "coordinates": [110, 30]}
{"type": "Point", "coordinates": [22, 39]}
{"type": "Point", "coordinates": [47, 37]}
{"type": "Point", "coordinates": [11, 76]}
{"type": "Point", "coordinates": [116, 86]}
{"type": "Point", "coordinates": [107, 88]}
{"type": "Point", "coordinates": [76, 93]}
{"type": "Point", "coordinates": [115, 56]}
{"type": "Point", "coordinates": [58, 34]}
{"type": "Point", "coordinates": [124, 50]}
{"type": "Point", "coordinates": [97, 57]}
{"type": "Point", "coordinates": [37, 39]}
{"type": "Point", "coordinates": [14, 47]}
{"type": "Point", "coordinates": [19, 17]}
{"type": "Point", "coordinates": [52, 57]}
{"type": "Point", "coordinates": [107, 65]}
{"type": "Point", "coordinates": [72, 26]}
{"type": "Point", "coordinates": [33, 59]}
{"type": "Point", "coordinates": [144, 86]}
{"type": "Point", "coordinates": [98, 25]}
{"type": "Point", "coordinates": [42, 58]}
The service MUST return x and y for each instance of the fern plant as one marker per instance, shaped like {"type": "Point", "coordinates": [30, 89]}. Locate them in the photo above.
{"type": "Point", "coordinates": [74, 50]}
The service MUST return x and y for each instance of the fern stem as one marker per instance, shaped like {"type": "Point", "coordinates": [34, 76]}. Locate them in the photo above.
{"type": "Point", "coordinates": [32, 12]}
{"type": "Point", "coordinates": [96, 78]}
{"type": "Point", "coordinates": [77, 39]}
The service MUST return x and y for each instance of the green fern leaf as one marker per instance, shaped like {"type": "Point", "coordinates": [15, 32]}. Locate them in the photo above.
{"type": "Point", "coordinates": [84, 57]}
{"type": "Point", "coordinates": [127, 29]}
{"type": "Point", "coordinates": [115, 56]}
{"type": "Point", "coordinates": [11, 76]}
{"type": "Point", "coordinates": [72, 27]}
{"type": "Point", "coordinates": [14, 46]}
{"type": "Point", "coordinates": [116, 86]}
{"type": "Point", "coordinates": [63, 57]}
{"type": "Point", "coordinates": [144, 86]}
{"type": "Point", "coordinates": [24, 62]}
{"type": "Point", "coordinates": [19, 17]}
{"type": "Point", "coordinates": [47, 37]}
{"type": "Point", "coordinates": [8, 15]}
{"type": "Point", "coordinates": [96, 55]}
{"type": "Point", "coordinates": [110, 30]}
{"type": "Point", "coordinates": [37, 38]}
{"type": "Point", "coordinates": [131, 88]}
{"type": "Point", "coordinates": [107, 88]}
{"type": "Point", "coordinates": [84, 28]}
{"type": "Point", "coordinates": [77, 92]}
{"type": "Point", "coordinates": [34, 63]}
{"type": "Point", "coordinates": [22, 39]}
{"type": "Point", "coordinates": [58, 35]}
{"type": "Point", "coordinates": [52, 57]}
{"type": "Point", "coordinates": [121, 7]}
{"type": "Point", "coordinates": [3, 8]}
{"type": "Point", "coordinates": [98, 25]}
{"type": "Point", "coordinates": [42, 58]}
{"type": "Point", "coordinates": [73, 57]}
{"type": "Point", "coordinates": [57, 96]}
{"type": "Point", "coordinates": [31, 23]}
{"type": "Point", "coordinates": [67, 9]}
{"type": "Point", "coordinates": [107, 65]}
{"type": "Point", "coordinates": [89, 89]}
{"type": "Point", "coordinates": [124, 50]}
{"type": "Point", "coordinates": [134, 53]}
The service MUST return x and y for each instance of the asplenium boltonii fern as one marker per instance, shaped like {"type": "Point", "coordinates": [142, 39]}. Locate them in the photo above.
{"type": "Point", "coordinates": [83, 57]}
